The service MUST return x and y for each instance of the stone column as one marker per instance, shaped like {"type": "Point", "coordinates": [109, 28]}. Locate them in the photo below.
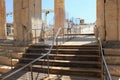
{"type": "Point", "coordinates": [2, 20]}
{"type": "Point", "coordinates": [111, 20]}
{"type": "Point", "coordinates": [118, 18]}
{"type": "Point", "coordinates": [59, 14]}
{"type": "Point", "coordinates": [100, 18]}
{"type": "Point", "coordinates": [27, 15]}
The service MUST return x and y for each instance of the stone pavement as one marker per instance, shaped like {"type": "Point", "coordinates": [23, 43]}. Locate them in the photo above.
{"type": "Point", "coordinates": [82, 40]}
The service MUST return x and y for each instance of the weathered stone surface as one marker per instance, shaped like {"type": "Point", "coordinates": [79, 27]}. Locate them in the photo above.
{"type": "Point", "coordinates": [2, 19]}
{"type": "Point", "coordinates": [111, 20]}
{"type": "Point", "coordinates": [110, 51]}
{"type": "Point", "coordinates": [113, 60]}
{"type": "Point", "coordinates": [112, 57]}
{"type": "Point", "coordinates": [114, 70]}
{"type": "Point", "coordinates": [100, 18]}
{"type": "Point", "coordinates": [27, 15]}
{"type": "Point", "coordinates": [108, 19]}
{"type": "Point", "coordinates": [59, 14]}
{"type": "Point", "coordinates": [25, 4]}
{"type": "Point", "coordinates": [118, 3]}
{"type": "Point", "coordinates": [111, 44]}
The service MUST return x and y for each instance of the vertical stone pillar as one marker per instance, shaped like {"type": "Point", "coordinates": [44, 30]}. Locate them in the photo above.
{"type": "Point", "coordinates": [27, 15]}
{"type": "Point", "coordinates": [118, 18]}
{"type": "Point", "coordinates": [111, 20]}
{"type": "Point", "coordinates": [100, 18]}
{"type": "Point", "coordinates": [2, 20]}
{"type": "Point", "coordinates": [59, 14]}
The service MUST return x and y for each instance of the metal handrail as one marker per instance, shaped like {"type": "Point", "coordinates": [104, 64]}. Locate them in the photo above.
{"type": "Point", "coordinates": [102, 54]}
{"type": "Point", "coordinates": [29, 64]}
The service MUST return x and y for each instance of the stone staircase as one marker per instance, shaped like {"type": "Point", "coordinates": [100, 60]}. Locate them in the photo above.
{"type": "Point", "coordinates": [84, 61]}
{"type": "Point", "coordinates": [68, 60]}
{"type": "Point", "coordinates": [112, 56]}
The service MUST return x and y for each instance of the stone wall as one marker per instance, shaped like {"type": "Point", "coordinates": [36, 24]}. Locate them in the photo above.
{"type": "Point", "coordinates": [2, 20]}
{"type": "Point", "coordinates": [27, 15]}
{"type": "Point", "coordinates": [112, 57]}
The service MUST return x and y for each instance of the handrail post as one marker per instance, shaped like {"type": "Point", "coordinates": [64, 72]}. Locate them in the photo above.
{"type": "Point", "coordinates": [102, 74]}
{"type": "Point", "coordinates": [57, 45]}
{"type": "Point", "coordinates": [35, 36]}
{"type": "Point", "coordinates": [31, 71]}
{"type": "Point", "coordinates": [63, 38]}
{"type": "Point", "coordinates": [48, 65]}
{"type": "Point", "coordinates": [10, 57]}
{"type": "Point", "coordinates": [11, 60]}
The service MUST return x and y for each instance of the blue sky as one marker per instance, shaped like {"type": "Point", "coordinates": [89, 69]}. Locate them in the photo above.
{"type": "Point", "coordinates": [85, 9]}
{"type": "Point", "coordinates": [9, 8]}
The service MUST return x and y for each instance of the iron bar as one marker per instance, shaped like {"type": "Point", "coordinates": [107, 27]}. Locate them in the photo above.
{"type": "Point", "coordinates": [48, 65]}
{"type": "Point", "coordinates": [31, 71]}
{"type": "Point", "coordinates": [102, 54]}
{"type": "Point", "coordinates": [35, 36]}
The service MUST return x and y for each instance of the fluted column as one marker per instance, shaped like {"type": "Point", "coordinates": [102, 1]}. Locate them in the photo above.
{"type": "Point", "coordinates": [59, 13]}
{"type": "Point", "coordinates": [100, 18]}
{"type": "Point", "coordinates": [2, 20]}
{"type": "Point", "coordinates": [27, 15]}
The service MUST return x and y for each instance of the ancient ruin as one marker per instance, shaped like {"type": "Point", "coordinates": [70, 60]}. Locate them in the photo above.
{"type": "Point", "coordinates": [108, 19]}
{"type": "Point", "coordinates": [2, 20]}
{"type": "Point", "coordinates": [59, 9]}
{"type": "Point", "coordinates": [27, 15]}
{"type": "Point", "coordinates": [64, 50]}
